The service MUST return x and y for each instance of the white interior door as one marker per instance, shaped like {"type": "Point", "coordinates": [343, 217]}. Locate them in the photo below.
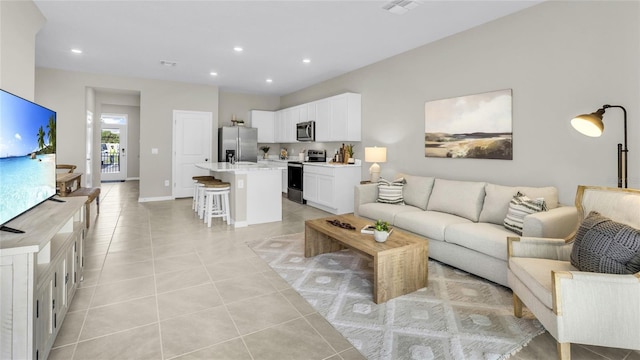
{"type": "Point", "coordinates": [192, 143]}
{"type": "Point", "coordinates": [113, 147]}
{"type": "Point", "coordinates": [88, 173]}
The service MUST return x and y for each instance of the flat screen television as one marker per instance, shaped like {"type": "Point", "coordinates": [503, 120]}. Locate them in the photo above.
{"type": "Point", "coordinates": [27, 156]}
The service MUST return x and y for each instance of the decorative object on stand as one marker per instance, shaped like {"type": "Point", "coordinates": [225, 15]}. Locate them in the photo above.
{"type": "Point", "coordinates": [283, 154]}
{"type": "Point", "coordinates": [236, 122]}
{"type": "Point", "coordinates": [381, 232]}
{"type": "Point", "coordinates": [473, 126]}
{"type": "Point", "coordinates": [375, 155]}
{"type": "Point", "coordinates": [592, 125]}
{"type": "Point", "coordinates": [265, 150]}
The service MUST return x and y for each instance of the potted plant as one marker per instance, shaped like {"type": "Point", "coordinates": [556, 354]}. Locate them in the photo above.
{"type": "Point", "coordinates": [349, 150]}
{"type": "Point", "coordinates": [381, 231]}
{"type": "Point", "coordinates": [265, 150]}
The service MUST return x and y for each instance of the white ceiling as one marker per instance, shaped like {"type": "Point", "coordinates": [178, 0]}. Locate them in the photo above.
{"type": "Point", "coordinates": [130, 38]}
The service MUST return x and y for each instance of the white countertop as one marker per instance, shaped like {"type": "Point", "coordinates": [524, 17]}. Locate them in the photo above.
{"type": "Point", "coordinates": [324, 164]}
{"type": "Point", "coordinates": [240, 166]}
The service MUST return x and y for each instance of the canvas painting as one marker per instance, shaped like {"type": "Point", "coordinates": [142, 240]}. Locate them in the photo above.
{"type": "Point", "coordinates": [474, 126]}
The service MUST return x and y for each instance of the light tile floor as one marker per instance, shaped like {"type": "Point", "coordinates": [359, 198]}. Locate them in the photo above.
{"type": "Point", "coordinates": [159, 284]}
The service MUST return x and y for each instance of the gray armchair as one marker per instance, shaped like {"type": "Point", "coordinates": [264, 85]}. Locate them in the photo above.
{"type": "Point", "coordinates": [574, 306]}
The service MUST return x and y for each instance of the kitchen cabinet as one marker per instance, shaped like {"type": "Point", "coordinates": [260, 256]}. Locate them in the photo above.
{"type": "Point", "coordinates": [338, 118]}
{"type": "Point", "coordinates": [345, 117]}
{"type": "Point", "coordinates": [322, 113]}
{"type": "Point", "coordinates": [284, 172]}
{"type": "Point", "coordinates": [39, 271]}
{"type": "Point", "coordinates": [265, 122]}
{"type": "Point", "coordinates": [330, 187]}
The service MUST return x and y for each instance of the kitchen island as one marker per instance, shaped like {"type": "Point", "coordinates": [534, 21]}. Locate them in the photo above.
{"type": "Point", "coordinates": [255, 196]}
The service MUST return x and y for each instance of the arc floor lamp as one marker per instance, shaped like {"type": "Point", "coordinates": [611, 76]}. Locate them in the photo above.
{"type": "Point", "coordinates": [592, 125]}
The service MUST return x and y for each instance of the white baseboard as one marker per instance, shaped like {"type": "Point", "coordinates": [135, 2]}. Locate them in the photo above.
{"type": "Point", "coordinates": [132, 178]}
{"type": "Point", "coordinates": [159, 198]}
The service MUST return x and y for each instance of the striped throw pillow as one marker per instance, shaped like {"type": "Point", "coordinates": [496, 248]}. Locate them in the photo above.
{"type": "Point", "coordinates": [519, 207]}
{"type": "Point", "coordinates": [390, 192]}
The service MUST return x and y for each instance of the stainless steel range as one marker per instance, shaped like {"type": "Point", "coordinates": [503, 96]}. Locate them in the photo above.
{"type": "Point", "coordinates": [295, 171]}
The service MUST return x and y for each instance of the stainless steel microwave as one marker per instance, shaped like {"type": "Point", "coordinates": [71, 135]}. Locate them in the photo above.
{"type": "Point", "coordinates": [306, 131]}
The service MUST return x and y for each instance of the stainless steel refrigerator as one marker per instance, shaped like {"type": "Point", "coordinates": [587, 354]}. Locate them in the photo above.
{"type": "Point", "coordinates": [237, 141]}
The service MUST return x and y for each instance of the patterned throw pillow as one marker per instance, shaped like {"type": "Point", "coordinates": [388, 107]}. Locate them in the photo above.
{"type": "Point", "coordinates": [519, 207]}
{"type": "Point", "coordinates": [390, 192]}
{"type": "Point", "coordinates": [605, 246]}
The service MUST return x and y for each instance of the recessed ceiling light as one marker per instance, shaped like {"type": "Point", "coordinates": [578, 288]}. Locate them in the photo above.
{"type": "Point", "coordinates": [168, 63]}
{"type": "Point", "coordinates": [306, 61]}
{"type": "Point", "coordinates": [76, 51]}
{"type": "Point", "coordinates": [238, 49]}
{"type": "Point", "coordinates": [269, 81]}
{"type": "Point", "coordinates": [213, 73]}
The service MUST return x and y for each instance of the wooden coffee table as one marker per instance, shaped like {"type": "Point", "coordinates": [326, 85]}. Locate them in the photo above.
{"type": "Point", "coordinates": [400, 263]}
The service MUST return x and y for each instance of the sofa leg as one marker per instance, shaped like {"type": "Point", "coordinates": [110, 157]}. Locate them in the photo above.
{"type": "Point", "coordinates": [564, 351]}
{"type": "Point", "coordinates": [517, 306]}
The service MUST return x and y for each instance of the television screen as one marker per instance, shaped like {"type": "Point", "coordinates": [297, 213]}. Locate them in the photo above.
{"type": "Point", "coordinates": [27, 155]}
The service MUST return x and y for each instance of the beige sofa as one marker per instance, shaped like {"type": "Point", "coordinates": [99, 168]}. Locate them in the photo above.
{"type": "Point", "coordinates": [463, 220]}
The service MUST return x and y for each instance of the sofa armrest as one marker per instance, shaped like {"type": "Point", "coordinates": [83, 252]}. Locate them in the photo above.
{"type": "Point", "coordinates": [593, 308]}
{"type": "Point", "coordinates": [541, 248]}
{"type": "Point", "coordinates": [364, 194]}
{"type": "Point", "coordinates": [560, 222]}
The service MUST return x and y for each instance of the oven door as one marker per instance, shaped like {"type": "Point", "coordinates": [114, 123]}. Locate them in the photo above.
{"type": "Point", "coordinates": [294, 182]}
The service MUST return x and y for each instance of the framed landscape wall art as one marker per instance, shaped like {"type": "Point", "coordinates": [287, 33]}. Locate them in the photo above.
{"type": "Point", "coordinates": [474, 126]}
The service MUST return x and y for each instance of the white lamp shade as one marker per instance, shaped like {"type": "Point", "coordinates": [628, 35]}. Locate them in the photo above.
{"type": "Point", "coordinates": [375, 154]}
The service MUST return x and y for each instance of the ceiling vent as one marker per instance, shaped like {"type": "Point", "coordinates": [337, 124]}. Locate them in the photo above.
{"type": "Point", "coordinates": [168, 63]}
{"type": "Point", "coordinates": [400, 7]}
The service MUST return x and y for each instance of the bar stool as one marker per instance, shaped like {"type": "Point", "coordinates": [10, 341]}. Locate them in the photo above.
{"type": "Point", "coordinates": [216, 197]}
{"type": "Point", "coordinates": [198, 193]}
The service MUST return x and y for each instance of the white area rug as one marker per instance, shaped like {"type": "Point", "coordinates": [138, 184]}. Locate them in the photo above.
{"type": "Point", "coordinates": [458, 316]}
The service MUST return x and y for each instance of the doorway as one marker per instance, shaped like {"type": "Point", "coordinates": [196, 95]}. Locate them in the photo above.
{"type": "Point", "coordinates": [113, 144]}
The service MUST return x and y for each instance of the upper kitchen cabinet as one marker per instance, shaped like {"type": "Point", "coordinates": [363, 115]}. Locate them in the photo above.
{"type": "Point", "coordinates": [265, 122]}
{"type": "Point", "coordinates": [338, 118]}
{"type": "Point", "coordinates": [345, 117]}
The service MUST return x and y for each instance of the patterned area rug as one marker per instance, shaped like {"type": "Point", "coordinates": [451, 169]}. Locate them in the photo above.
{"type": "Point", "coordinates": [458, 316]}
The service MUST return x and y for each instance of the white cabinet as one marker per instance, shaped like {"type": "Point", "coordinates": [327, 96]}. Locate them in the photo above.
{"type": "Point", "coordinates": [279, 126]}
{"type": "Point", "coordinates": [264, 121]}
{"type": "Point", "coordinates": [338, 118]}
{"type": "Point", "coordinates": [322, 112]}
{"type": "Point", "coordinates": [39, 271]}
{"type": "Point", "coordinates": [345, 117]}
{"type": "Point", "coordinates": [330, 187]}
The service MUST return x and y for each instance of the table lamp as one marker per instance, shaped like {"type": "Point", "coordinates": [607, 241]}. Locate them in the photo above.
{"type": "Point", "coordinates": [375, 155]}
{"type": "Point", "coordinates": [592, 125]}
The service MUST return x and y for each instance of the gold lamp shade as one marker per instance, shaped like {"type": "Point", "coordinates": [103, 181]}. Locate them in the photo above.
{"type": "Point", "coordinates": [589, 124]}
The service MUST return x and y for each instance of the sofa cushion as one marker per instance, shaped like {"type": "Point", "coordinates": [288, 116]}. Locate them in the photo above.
{"type": "Point", "coordinates": [390, 192]}
{"type": "Point", "coordinates": [430, 224]}
{"type": "Point", "coordinates": [519, 207]}
{"type": "Point", "coordinates": [497, 198]}
{"type": "Point", "coordinates": [489, 239]}
{"type": "Point", "coordinates": [417, 190]}
{"type": "Point", "coordinates": [605, 246]}
{"type": "Point", "coordinates": [385, 212]}
{"type": "Point", "coordinates": [536, 275]}
{"type": "Point", "coordinates": [462, 198]}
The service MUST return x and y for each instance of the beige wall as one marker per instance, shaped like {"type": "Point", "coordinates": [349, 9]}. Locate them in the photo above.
{"type": "Point", "coordinates": [560, 58]}
{"type": "Point", "coordinates": [20, 21]}
{"type": "Point", "coordinates": [65, 92]}
{"type": "Point", "coordinates": [239, 104]}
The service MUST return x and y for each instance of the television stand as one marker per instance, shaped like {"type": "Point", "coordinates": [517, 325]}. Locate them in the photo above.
{"type": "Point", "coordinates": [11, 230]}
{"type": "Point", "coordinates": [40, 271]}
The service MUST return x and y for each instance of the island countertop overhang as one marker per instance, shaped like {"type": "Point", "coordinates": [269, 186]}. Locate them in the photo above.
{"type": "Point", "coordinates": [239, 167]}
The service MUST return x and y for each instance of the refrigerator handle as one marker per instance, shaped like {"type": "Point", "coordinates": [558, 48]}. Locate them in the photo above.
{"type": "Point", "coordinates": [239, 149]}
